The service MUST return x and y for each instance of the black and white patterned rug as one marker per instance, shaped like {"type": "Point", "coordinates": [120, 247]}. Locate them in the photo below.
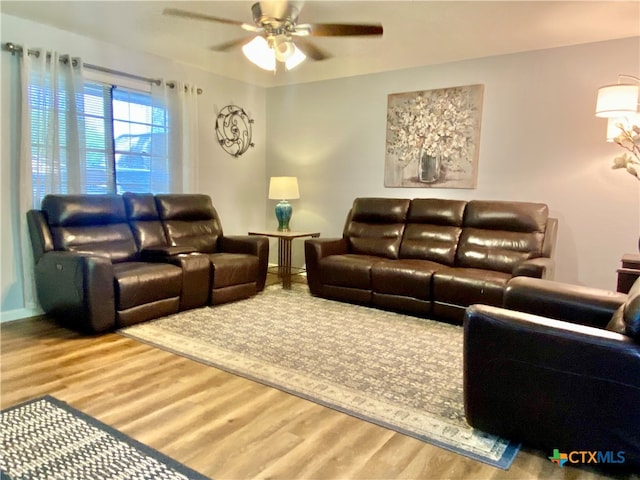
{"type": "Point", "coordinates": [394, 370]}
{"type": "Point", "coordinates": [48, 439]}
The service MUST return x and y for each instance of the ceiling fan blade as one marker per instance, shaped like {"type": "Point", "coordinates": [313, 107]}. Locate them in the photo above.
{"type": "Point", "coordinates": [176, 12]}
{"type": "Point", "coordinates": [310, 50]}
{"type": "Point", "coordinates": [223, 47]}
{"type": "Point", "coordinates": [339, 29]}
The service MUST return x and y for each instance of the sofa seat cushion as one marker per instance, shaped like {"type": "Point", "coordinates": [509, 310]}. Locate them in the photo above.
{"type": "Point", "coordinates": [407, 277]}
{"type": "Point", "coordinates": [466, 286]}
{"type": "Point", "coordinates": [231, 269]}
{"type": "Point", "coordinates": [348, 270]}
{"type": "Point", "coordinates": [138, 283]}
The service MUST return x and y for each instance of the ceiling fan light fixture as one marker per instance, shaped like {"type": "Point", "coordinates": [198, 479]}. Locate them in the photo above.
{"type": "Point", "coordinates": [284, 47]}
{"type": "Point", "coordinates": [258, 52]}
{"type": "Point", "coordinates": [275, 22]}
{"type": "Point", "coordinates": [295, 59]}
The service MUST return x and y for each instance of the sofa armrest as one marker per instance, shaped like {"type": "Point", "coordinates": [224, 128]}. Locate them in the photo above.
{"type": "Point", "coordinates": [536, 380]}
{"type": "Point", "coordinates": [550, 236]}
{"type": "Point", "coordinates": [39, 233]}
{"type": "Point", "coordinates": [323, 247]}
{"type": "Point", "coordinates": [541, 267]}
{"type": "Point", "coordinates": [562, 301]}
{"type": "Point", "coordinates": [253, 245]}
{"type": "Point", "coordinates": [78, 289]}
{"type": "Point", "coordinates": [315, 249]}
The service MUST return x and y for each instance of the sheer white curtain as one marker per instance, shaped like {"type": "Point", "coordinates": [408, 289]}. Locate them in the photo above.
{"type": "Point", "coordinates": [52, 138]}
{"type": "Point", "coordinates": [181, 102]}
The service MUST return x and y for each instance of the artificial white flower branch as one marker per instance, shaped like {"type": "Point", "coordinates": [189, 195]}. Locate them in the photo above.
{"type": "Point", "coordinates": [629, 139]}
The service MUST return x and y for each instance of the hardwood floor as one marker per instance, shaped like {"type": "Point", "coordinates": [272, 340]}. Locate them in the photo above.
{"type": "Point", "coordinates": [222, 425]}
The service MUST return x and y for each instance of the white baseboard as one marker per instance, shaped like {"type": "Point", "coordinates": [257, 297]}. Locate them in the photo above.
{"type": "Point", "coordinates": [19, 313]}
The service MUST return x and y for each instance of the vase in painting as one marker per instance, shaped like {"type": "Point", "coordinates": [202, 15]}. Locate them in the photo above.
{"type": "Point", "coordinates": [429, 167]}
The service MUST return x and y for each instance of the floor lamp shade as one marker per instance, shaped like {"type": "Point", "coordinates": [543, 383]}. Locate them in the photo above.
{"type": "Point", "coordinates": [617, 100]}
{"type": "Point", "coordinates": [283, 189]}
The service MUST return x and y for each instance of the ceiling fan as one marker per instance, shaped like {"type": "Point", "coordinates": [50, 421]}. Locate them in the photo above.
{"type": "Point", "coordinates": [274, 27]}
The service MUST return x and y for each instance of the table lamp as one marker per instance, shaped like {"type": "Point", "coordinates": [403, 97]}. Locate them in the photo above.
{"type": "Point", "coordinates": [283, 189]}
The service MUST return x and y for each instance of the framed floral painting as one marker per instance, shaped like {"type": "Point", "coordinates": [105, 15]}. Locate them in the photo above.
{"type": "Point", "coordinates": [433, 138]}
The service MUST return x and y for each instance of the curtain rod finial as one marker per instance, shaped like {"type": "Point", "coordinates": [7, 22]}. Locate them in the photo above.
{"type": "Point", "coordinates": [10, 47]}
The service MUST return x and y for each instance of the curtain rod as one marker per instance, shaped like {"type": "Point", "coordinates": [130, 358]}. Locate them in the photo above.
{"type": "Point", "coordinates": [13, 49]}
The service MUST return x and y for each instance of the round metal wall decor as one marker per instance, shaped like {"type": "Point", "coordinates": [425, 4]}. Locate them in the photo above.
{"type": "Point", "coordinates": [233, 129]}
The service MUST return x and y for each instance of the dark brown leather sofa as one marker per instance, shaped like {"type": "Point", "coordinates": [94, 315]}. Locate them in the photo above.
{"type": "Point", "coordinates": [108, 261]}
{"type": "Point", "coordinates": [431, 257]}
{"type": "Point", "coordinates": [557, 368]}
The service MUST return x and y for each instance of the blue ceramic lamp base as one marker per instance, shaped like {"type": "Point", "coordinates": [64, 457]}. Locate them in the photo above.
{"type": "Point", "coordinates": [283, 214]}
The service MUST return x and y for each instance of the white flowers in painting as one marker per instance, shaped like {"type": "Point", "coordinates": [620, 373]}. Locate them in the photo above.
{"type": "Point", "coordinates": [442, 122]}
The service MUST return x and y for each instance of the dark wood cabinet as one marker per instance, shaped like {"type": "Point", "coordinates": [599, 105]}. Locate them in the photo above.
{"type": "Point", "coordinates": [629, 272]}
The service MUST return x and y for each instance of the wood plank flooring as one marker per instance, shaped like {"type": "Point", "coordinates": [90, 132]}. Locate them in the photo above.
{"type": "Point", "coordinates": [222, 425]}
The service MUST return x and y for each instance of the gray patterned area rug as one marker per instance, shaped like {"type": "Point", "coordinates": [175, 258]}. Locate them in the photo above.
{"type": "Point", "coordinates": [46, 438]}
{"type": "Point", "coordinates": [394, 370]}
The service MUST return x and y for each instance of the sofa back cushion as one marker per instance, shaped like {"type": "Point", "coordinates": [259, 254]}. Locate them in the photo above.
{"type": "Point", "coordinates": [190, 219]}
{"type": "Point", "coordinates": [433, 230]}
{"type": "Point", "coordinates": [375, 226]}
{"type": "Point", "coordinates": [93, 224]}
{"type": "Point", "coordinates": [498, 235]}
{"type": "Point", "coordinates": [144, 220]}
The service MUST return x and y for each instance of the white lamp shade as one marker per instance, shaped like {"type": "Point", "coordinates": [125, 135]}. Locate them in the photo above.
{"type": "Point", "coordinates": [614, 124]}
{"type": "Point", "coordinates": [283, 188]}
{"type": "Point", "coordinates": [264, 53]}
{"type": "Point", "coordinates": [296, 58]}
{"type": "Point", "coordinates": [617, 100]}
{"type": "Point", "coordinates": [259, 53]}
{"type": "Point", "coordinates": [283, 47]}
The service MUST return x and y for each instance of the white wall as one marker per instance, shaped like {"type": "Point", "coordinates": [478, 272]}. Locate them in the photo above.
{"type": "Point", "coordinates": [540, 141]}
{"type": "Point", "coordinates": [236, 185]}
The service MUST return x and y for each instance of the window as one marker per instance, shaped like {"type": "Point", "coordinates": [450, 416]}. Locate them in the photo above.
{"type": "Point", "coordinates": [140, 139]}
{"type": "Point", "coordinates": [124, 140]}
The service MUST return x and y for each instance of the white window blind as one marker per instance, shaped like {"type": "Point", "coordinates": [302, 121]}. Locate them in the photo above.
{"type": "Point", "coordinates": [125, 137]}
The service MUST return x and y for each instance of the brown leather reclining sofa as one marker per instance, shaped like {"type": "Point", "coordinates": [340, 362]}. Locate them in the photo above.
{"type": "Point", "coordinates": [431, 256]}
{"type": "Point", "coordinates": [107, 261]}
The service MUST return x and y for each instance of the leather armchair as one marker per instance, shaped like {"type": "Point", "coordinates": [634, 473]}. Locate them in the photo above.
{"type": "Point", "coordinates": [557, 368]}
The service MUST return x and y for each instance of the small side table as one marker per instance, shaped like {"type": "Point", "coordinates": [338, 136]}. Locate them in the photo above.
{"type": "Point", "coordinates": [629, 272]}
{"type": "Point", "coordinates": [285, 240]}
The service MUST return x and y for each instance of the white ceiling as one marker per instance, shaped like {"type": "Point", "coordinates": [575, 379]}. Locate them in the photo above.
{"type": "Point", "coordinates": [415, 32]}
